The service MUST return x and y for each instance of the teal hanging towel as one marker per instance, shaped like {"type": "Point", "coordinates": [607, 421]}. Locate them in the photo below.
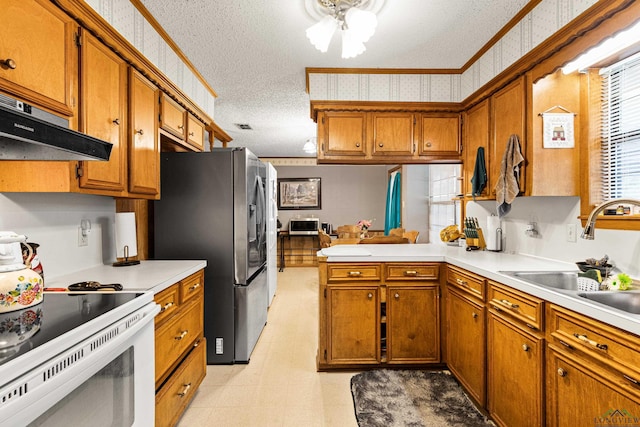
{"type": "Point", "coordinates": [479, 180]}
{"type": "Point", "coordinates": [394, 203]}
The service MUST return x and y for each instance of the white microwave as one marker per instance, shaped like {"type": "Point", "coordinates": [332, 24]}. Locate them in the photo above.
{"type": "Point", "coordinates": [304, 226]}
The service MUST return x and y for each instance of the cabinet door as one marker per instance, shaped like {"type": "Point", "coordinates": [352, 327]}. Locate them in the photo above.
{"type": "Point", "coordinates": [393, 134]}
{"type": "Point", "coordinates": [508, 107]}
{"type": "Point", "coordinates": [172, 117]}
{"type": "Point", "coordinates": [582, 394]}
{"type": "Point", "coordinates": [515, 374]}
{"type": "Point", "coordinates": [413, 324]}
{"type": "Point", "coordinates": [103, 101]}
{"type": "Point", "coordinates": [342, 134]}
{"type": "Point", "coordinates": [195, 133]}
{"type": "Point", "coordinates": [476, 130]}
{"type": "Point", "coordinates": [440, 135]}
{"type": "Point", "coordinates": [353, 325]}
{"type": "Point", "coordinates": [466, 343]}
{"type": "Point", "coordinates": [144, 147]}
{"type": "Point", "coordinates": [38, 50]}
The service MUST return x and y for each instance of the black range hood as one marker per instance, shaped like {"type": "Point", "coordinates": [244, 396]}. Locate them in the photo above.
{"type": "Point", "coordinates": [23, 136]}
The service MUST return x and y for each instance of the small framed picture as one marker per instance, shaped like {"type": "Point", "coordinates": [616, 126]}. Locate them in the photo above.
{"type": "Point", "coordinates": [299, 193]}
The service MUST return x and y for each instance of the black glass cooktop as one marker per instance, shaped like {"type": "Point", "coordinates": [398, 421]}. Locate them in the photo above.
{"type": "Point", "coordinates": [24, 330]}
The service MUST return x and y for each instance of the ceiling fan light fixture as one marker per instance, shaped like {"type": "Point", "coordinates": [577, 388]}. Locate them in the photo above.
{"type": "Point", "coordinates": [355, 19]}
{"type": "Point", "coordinates": [321, 33]}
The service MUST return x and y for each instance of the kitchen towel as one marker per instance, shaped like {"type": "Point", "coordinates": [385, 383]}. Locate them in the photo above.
{"type": "Point", "coordinates": [479, 179]}
{"type": "Point", "coordinates": [508, 185]}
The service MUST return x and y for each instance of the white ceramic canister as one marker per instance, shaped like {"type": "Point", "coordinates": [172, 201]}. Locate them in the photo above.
{"type": "Point", "coordinates": [20, 287]}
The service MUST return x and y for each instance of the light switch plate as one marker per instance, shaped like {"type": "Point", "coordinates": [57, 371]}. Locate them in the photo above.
{"type": "Point", "coordinates": [571, 233]}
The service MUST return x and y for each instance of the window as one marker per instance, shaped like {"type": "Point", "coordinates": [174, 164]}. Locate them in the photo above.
{"type": "Point", "coordinates": [444, 205]}
{"type": "Point", "coordinates": [620, 127]}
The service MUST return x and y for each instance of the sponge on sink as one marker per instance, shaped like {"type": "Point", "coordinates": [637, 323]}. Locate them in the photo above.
{"type": "Point", "coordinates": [592, 274]}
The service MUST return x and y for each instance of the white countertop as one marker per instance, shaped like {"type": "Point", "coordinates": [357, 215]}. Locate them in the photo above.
{"type": "Point", "coordinates": [147, 276]}
{"type": "Point", "coordinates": [489, 264]}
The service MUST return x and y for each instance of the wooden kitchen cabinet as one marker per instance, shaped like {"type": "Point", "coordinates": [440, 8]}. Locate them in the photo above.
{"type": "Point", "coordinates": [341, 134]}
{"type": "Point", "coordinates": [179, 127]}
{"type": "Point", "coordinates": [515, 358]}
{"type": "Point", "coordinates": [144, 146]}
{"type": "Point", "coordinates": [476, 135]}
{"type": "Point", "coordinates": [508, 114]}
{"type": "Point", "coordinates": [378, 314]}
{"type": "Point", "coordinates": [466, 331]}
{"type": "Point", "coordinates": [103, 115]}
{"type": "Point", "coordinates": [195, 133]}
{"type": "Point", "coordinates": [440, 135]}
{"type": "Point", "coordinates": [180, 347]}
{"type": "Point", "coordinates": [38, 55]}
{"type": "Point", "coordinates": [393, 134]}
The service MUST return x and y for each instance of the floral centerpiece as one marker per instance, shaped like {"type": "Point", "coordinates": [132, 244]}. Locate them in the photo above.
{"type": "Point", "coordinates": [364, 225]}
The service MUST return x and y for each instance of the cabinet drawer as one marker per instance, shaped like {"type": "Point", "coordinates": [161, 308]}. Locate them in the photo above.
{"type": "Point", "coordinates": [523, 307]}
{"type": "Point", "coordinates": [191, 287]}
{"type": "Point", "coordinates": [353, 272]}
{"type": "Point", "coordinates": [172, 117]}
{"type": "Point", "coordinates": [413, 271]}
{"type": "Point", "coordinates": [606, 344]}
{"type": "Point", "coordinates": [168, 302]}
{"type": "Point", "coordinates": [195, 132]}
{"type": "Point", "coordinates": [173, 338]}
{"type": "Point", "coordinates": [174, 396]}
{"type": "Point", "coordinates": [466, 281]}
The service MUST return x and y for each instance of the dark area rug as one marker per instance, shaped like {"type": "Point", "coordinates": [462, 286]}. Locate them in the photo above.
{"type": "Point", "coordinates": [412, 398]}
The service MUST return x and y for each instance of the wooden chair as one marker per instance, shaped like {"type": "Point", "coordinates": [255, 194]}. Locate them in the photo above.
{"type": "Point", "coordinates": [348, 232]}
{"type": "Point", "coordinates": [384, 240]}
{"type": "Point", "coordinates": [346, 241]}
{"type": "Point", "coordinates": [324, 238]}
{"type": "Point", "coordinates": [396, 232]}
{"type": "Point", "coordinates": [411, 235]}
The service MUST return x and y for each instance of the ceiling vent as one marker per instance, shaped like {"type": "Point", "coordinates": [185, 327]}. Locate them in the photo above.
{"type": "Point", "coordinates": [243, 126]}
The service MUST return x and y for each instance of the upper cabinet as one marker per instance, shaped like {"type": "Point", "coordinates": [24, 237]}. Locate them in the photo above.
{"type": "Point", "coordinates": [103, 77]}
{"type": "Point", "coordinates": [179, 128]}
{"type": "Point", "coordinates": [387, 137]}
{"type": "Point", "coordinates": [476, 135]}
{"type": "Point", "coordinates": [38, 54]}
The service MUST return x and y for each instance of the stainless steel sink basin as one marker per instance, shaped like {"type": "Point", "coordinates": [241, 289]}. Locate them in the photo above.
{"type": "Point", "coordinates": [567, 280]}
{"type": "Point", "coordinates": [628, 301]}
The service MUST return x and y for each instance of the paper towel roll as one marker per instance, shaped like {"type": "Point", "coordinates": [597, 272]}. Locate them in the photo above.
{"type": "Point", "coordinates": [492, 237]}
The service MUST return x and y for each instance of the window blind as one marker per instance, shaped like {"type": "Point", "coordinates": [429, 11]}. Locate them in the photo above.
{"type": "Point", "coordinates": [620, 126]}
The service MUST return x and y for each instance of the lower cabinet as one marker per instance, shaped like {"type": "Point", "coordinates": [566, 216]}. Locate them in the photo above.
{"type": "Point", "coordinates": [180, 347]}
{"type": "Point", "coordinates": [378, 314]}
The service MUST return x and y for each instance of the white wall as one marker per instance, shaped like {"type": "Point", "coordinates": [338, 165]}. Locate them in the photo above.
{"type": "Point", "coordinates": [52, 220]}
{"type": "Point", "coordinates": [552, 214]}
{"type": "Point", "coordinates": [415, 208]}
{"type": "Point", "coordinates": [349, 193]}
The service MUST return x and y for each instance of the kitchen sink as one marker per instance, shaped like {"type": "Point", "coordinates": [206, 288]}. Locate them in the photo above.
{"type": "Point", "coordinates": [567, 280]}
{"type": "Point", "coordinates": [622, 300]}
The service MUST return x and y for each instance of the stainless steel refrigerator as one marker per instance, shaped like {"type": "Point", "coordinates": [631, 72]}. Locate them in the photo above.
{"type": "Point", "coordinates": [213, 207]}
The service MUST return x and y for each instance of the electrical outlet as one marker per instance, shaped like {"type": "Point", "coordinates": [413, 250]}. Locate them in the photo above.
{"type": "Point", "coordinates": [219, 346]}
{"type": "Point", "coordinates": [571, 233]}
{"type": "Point", "coordinates": [83, 239]}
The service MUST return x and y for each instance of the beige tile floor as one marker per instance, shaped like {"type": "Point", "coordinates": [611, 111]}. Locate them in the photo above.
{"type": "Point", "coordinates": [280, 385]}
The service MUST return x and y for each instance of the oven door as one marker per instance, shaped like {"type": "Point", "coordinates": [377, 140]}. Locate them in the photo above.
{"type": "Point", "coordinates": [106, 380]}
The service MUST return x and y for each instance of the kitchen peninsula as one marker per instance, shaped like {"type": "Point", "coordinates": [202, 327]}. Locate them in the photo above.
{"type": "Point", "coordinates": [524, 352]}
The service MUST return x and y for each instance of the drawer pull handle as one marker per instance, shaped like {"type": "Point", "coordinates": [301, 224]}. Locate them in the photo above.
{"type": "Point", "coordinates": [357, 145]}
{"type": "Point", "coordinates": [381, 145]}
{"type": "Point", "coordinates": [428, 144]}
{"type": "Point", "coordinates": [180, 127]}
{"type": "Point", "coordinates": [191, 133]}
{"type": "Point", "coordinates": [140, 132]}
{"type": "Point", "coordinates": [530, 326]}
{"type": "Point", "coordinates": [632, 380]}
{"type": "Point", "coordinates": [562, 372]}
{"type": "Point", "coordinates": [185, 390]}
{"type": "Point", "coordinates": [474, 315]}
{"type": "Point", "coordinates": [510, 304]}
{"type": "Point", "coordinates": [9, 63]}
{"type": "Point", "coordinates": [116, 121]}
{"type": "Point", "coordinates": [410, 273]}
{"type": "Point", "coordinates": [370, 295]}
{"type": "Point", "coordinates": [166, 306]}
{"type": "Point", "coordinates": [569, 346]}
{"type": "Point", "coordinates": [194, 287]}
{"type": "Point", "coordinates": [355, 274]}
{"type": "Point", "coordinates": [182, 335]}
{"type": "Point", "coordinates": [461, 282]}
{"type": "Point", "coordinates": [397, 296]}
{"type": "Point", "coordinates": [584, 338]}
{"type": "Point", "coordinates": [525, 347]}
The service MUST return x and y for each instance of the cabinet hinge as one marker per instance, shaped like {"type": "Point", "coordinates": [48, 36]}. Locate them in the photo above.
{"type": "Point", "coordinates": [325, 293]}
{"type": "Point", "coordinates": [160, 118]}
{"type": "Point", "coordinates": [325, 354]}
{"type": "Point", "coordinates": [414, 120]}
{"type": "Point", "coordinates": [77, 38]}
{"type": "Point", "coordinates": [323, 120]}
{"type": "Point", "coordinates": [79, 170]}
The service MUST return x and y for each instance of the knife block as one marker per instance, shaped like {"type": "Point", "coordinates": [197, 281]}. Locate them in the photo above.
{"type": "Point", "coordinates": [475, 243]}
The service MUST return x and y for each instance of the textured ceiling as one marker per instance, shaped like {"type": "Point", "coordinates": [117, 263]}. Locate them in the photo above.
{"type": "Point", "coordinates": [253, 53]}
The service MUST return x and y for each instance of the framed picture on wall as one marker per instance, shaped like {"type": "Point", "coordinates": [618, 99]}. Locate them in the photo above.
{"type": "Point", "coordinates": [299, 193]}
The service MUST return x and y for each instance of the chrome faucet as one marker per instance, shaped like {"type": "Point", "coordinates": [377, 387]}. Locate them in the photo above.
{"type": "Point", "coordinates": [589, 229]}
